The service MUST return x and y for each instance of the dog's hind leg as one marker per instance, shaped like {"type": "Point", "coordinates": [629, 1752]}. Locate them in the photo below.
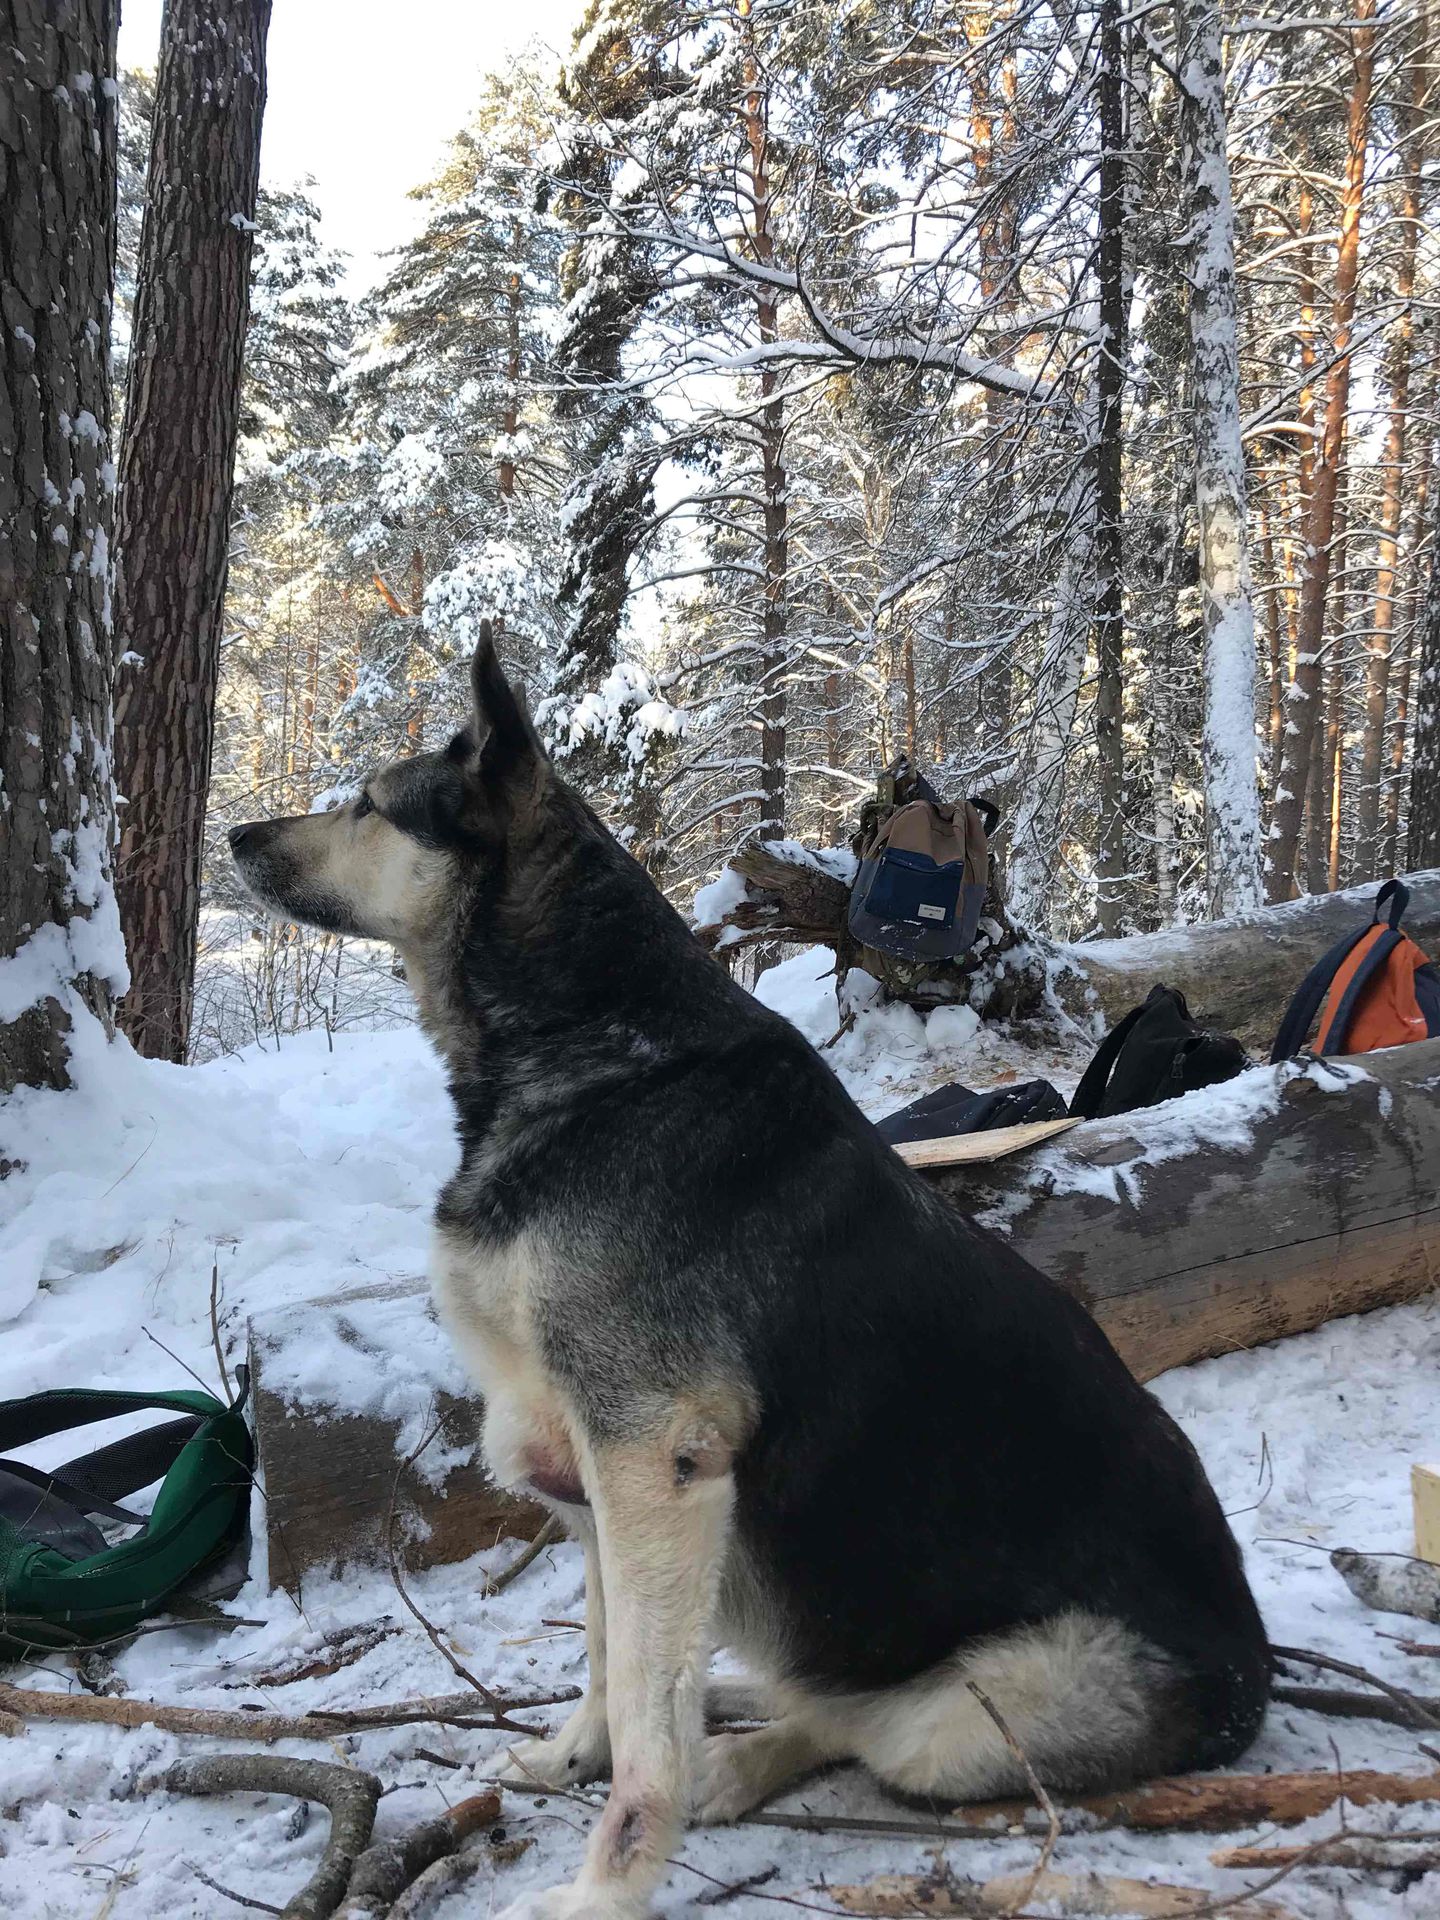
{"type": "Point", "coordinates": [663, 1512]}
{"type": "Point", "coordinates": [739, 1770]}
{"type": "Point", "coordinates": [1088, 1700]}
{"type": "Point", "coordinates": [580, 1751]}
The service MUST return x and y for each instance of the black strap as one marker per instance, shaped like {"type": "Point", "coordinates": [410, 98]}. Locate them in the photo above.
{"type": "Point", "coordinates": [1338, 1028]}
{"type": "Point", "coordinates": [1300, 1014]}
{"type": "Point", "coordinates": [988, 811]}
{"type": "Point", "coordinates": [1091, 1091]}
{"type": "Point", "coordinates": [40, 1414]}
{"type": "Point", "coordinates": [55, 1484]}
{"type": "Point", "coordinates": [1398, 894]}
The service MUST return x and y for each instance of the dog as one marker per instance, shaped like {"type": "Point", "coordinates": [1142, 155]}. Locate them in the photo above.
{"type": "Point", "coordinates": [789, 1400]}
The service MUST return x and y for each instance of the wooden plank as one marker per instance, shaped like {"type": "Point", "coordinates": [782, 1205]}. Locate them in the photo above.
{"type": "Point", "coordinates": [330, 1475]}
{"type": "Point", "coordinates": [973, 1149]}
{"type": "Point", "coordinates": [1425, 1486]}
{"type": "Point", "coordinates": [1330, 1206]}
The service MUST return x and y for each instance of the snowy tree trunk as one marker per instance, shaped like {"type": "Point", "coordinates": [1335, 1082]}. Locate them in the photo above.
{"type": "Point", "coordinates": [1034, 839]}
{"type": "Point", "coordinates": [1110, 863]}
{"type": "Point", "coordinates": [60, 945]}
{"type": "Point", "coordinates": [1232, 804]}
{"type": "Point", "coordinates": [1302, 697]}
{"type": "Point", "coordinates": [1423, 842]}
{"type": "Point", "coordinates": [177, 463]}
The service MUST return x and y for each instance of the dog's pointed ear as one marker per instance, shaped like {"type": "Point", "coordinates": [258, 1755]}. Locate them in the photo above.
{"type": "Point", "coordinates": [508, 746]}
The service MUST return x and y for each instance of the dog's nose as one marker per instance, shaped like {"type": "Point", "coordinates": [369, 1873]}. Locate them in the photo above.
{"type": "Point", "coordinates": [239, 835]}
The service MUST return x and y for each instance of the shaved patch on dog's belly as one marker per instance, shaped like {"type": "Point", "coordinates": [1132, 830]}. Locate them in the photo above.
{"type": "Point", "coordinates": [553, 1480]}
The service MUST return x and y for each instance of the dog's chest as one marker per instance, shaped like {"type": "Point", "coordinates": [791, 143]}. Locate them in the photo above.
{"type": "Point", "coordinates": [487, 1299]}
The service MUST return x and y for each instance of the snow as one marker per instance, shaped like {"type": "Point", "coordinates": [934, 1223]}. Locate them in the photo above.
{"type": "Point", "coordinates": [306, 1171]}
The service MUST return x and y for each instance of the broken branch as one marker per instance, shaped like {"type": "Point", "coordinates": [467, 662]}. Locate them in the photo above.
{"type": "Point", "coordinates": [1216, 1803]}
{"type": "Point", "coordinates": [451, 1709]}
{"type": "Point", "coordinates": [385, 1870]}
{"type": "Point", "coordinates": [349, 1796]}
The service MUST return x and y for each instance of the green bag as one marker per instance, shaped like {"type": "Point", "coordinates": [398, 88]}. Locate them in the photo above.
{"type": "Point", "coordinates": [61, 1584]}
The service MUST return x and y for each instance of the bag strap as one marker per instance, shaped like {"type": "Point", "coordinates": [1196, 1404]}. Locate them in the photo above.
{"type": "Point", "coordinates": [1398, 894]}
{"type": "Point", "coordinates": [38, 1415]}
{"type": "Point", "coordinates": [1085, 1102]}
{"type": "Point", "coordinates": [1332, 1039]}
{"type": "Point", "coordinates": [988, 811]}
{"type": "Point", "coordinates": [1309, 994]}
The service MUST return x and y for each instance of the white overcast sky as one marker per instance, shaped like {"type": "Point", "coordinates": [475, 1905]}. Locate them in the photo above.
{"type": "Point", "coordinates": [363, 95]}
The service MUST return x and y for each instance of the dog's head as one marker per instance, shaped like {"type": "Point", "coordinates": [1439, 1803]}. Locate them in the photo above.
{"type": "Point", "coordinates": [385, 866]}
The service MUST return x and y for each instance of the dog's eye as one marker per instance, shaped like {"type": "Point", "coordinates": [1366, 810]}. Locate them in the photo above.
{"type": "Point", "coordinates": [363, 806]}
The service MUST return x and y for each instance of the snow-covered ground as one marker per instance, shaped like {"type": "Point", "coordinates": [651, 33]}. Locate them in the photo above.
{"type": "Point", "coordinates": [304, 1170]}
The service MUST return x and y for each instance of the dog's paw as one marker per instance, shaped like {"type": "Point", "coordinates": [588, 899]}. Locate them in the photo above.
{"type": "Point", "coordinates": [725, 1784]}
{"type": "Point", "coordinates": [578, 1753]}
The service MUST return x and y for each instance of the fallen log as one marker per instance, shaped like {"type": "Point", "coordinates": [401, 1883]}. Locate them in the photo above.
{"type": "Point", "coordinates": [1220, 1802]}
{"type": "Point", "coordinates": [1263, 1207]}
{"type": "Point", "coordinates": [387, 1867]}
{"type": "Point", "coordinates": [1238, 974]}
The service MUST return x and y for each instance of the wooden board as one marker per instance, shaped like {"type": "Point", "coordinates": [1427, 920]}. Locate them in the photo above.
{"type": "Point", "coordinates": [330, 1475]}
{"type": "Point", "coordinates": [972, 1149]}
{"type": "Point", "coordinates": [1332, 1207]}
{"type": "Point", "coordinates": [1425, 1486]}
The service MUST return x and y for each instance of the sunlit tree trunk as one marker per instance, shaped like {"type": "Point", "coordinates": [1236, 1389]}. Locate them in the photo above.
{"type": "Point", "coordinates": [177, 462]}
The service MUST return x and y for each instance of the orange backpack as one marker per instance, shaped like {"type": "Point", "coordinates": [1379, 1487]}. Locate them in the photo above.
{"type": "Point", "coordinates": [1378, 987]}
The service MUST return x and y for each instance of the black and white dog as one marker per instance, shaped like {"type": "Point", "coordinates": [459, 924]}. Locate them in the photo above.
{"type": "Point", "coordinates": [789, 1401]}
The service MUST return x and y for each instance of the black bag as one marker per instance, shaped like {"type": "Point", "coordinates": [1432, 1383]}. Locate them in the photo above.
{"type": "Point", "coordinates": [923, 878]}
{"type": "Point", "coordinates": [955, 1109]}
{"type": "Point", "coordinates": [1157, 1052]}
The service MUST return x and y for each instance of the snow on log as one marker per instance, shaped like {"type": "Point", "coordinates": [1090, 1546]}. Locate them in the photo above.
{"type": "Point", "coordinates": [1263, 1207]}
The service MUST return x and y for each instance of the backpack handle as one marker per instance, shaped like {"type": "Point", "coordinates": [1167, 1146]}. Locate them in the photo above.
{"type": "Point", "coordinates": [1085, 1102]}
{"type": "Point", "coordinates": [1398, 894]}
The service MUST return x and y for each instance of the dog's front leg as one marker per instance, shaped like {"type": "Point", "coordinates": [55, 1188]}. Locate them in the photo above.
{"type": "Point", "coordinates": [580, 1751]}
{"type": "Point", "coordinates": [664, 1518]}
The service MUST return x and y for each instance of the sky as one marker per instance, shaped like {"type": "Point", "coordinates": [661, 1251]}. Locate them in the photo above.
{"type": "Point", "coordinates": [363, 95]}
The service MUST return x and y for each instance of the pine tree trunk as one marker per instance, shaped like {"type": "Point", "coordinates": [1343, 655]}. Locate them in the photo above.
{"type": "Point", "coordinates": [176, 472]}
{"type": "Point", "coordinates": [1232, 801]}
{"type": "Point", "coordinates": [1382, 620]}
{"type": "Point", "coordinates": [1302, 701]}
{"type": "Point", "coordinates": [1110, 861]}
{"type": "Point", "coordinates": [1395, 783]}
{"type": "Point", "coordinates": [59, 936]}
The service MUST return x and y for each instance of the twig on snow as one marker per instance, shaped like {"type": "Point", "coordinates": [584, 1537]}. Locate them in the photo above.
{"type": "Point", "coordinates": [1024, 1888]}
{"type": "Point", "coordinates": [449, 1709]}
{"type": "Point", "coordinates": [1380, 1852]}
{"type": "Point", "coordinates": [1345, 1705]}
{"type": "Point", "coordinates": [349, 1795]}
{"type": "Point", "coordinates": [383, 1872]}
{"type": "Point", "coordinates": [240, 1899]}
{"type": "Point", "coordinates": [437, 1640]}
{"type": "Point", "coordinates": [1426, 1714]}
{"type": "Point", "coordinates": [215, 1331]}
{"type": "Point", "coordinates": [549, 1532]}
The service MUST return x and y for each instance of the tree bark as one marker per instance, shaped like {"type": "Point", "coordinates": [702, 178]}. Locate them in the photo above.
{"type": "Point", "coordinates": [59, 936]}
{"type": "Point", "coordinates": [1232, 801]}
{"type": "Point", "coordinates": [1110, 864]}
{"type": "Point", "coordinates": [176, 472]}
{"type": "Point", "coordinates": [1302, 697]}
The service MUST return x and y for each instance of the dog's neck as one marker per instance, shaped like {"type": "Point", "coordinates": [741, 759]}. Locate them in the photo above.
{"type": "Point", "coordinates": [543, 983]}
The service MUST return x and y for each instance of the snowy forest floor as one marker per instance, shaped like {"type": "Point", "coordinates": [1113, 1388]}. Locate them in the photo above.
{"type": "Point", "coordinates": [305, 1170]}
